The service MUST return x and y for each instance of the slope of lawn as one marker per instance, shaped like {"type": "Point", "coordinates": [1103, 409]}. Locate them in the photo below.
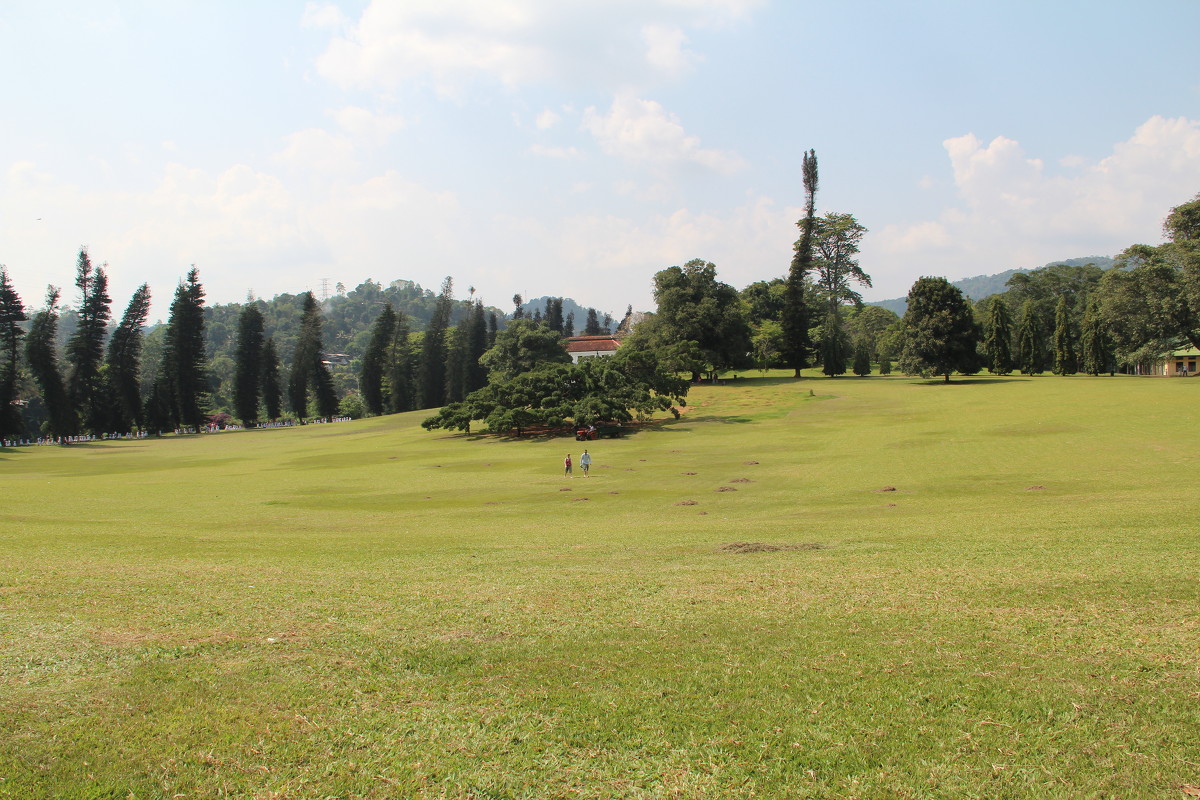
{"type": "Point", "coordinates": [869, 588]}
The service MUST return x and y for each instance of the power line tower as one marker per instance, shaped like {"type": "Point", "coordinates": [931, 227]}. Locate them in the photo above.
{"type": "Point", "coordinates": [324, 289]}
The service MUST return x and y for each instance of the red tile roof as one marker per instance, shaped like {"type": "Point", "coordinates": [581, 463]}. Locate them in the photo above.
{"type": "Point", "coordinates": [592, 344]}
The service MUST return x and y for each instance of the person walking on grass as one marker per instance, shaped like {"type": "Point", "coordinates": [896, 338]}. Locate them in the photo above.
{"type": "Point", "coordinates": [585, 461]}
{"type": "Point", "coordinates": [567, 465]}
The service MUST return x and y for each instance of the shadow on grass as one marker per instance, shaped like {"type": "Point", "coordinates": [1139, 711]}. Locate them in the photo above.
{"type": "Point", "coordinates": [969, 381]}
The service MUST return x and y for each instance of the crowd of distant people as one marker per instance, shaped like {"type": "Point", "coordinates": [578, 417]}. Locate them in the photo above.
{"type": "Point", "coordinates": [212, 427]}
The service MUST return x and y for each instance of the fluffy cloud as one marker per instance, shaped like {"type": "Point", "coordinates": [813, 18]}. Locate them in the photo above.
{"type": "Point", "coordinates": [642, 131]}
{"type": "Point", "coordinates": [514, 42]}
{"type": "Point", "coordinates": [1013, 212]}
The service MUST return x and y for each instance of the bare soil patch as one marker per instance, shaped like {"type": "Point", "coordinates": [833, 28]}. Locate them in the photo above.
{"type": "Point", "coordinates": [765, 547]}
{"type": "Point", "coordinates": [726, 489]}
{"type": "Point", "coordinates": [1036, 488]}
{"type": "Point", "coordinates": [886, 489]}
{"type": "Point", "coordinates": [687, 503]}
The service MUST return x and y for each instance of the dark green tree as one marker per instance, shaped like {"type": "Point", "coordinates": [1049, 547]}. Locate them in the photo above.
{"type": "Point", "coordinates": [85, 348]}
{"type": "Point", "coordinates": [694, 306]}
{"type": "Point", "coordinates": [1031, 346]}
{"type": "Point", "coordinates": [591, 327]}
{"type": "Point", "coordinates": [432, 364]}
{"type": "Point", "coordinates": [272, 386]}
{"type": "Point", "coordinates": [309, 373]}
{"type": "Point", "coordinates": [940, 334]}
{"type": "Point", "coordinates": [401, 393]}
{"type": "Point", "coordinates": [862, 359]}
{"type": "Point", "coordinates": [185, 356]}
{"type": "Point", "coordinates": [123, 363]}
{"type": "Point", "coordinates": [12, 314]}
{"type": "Point", "coordinates": [375, 361]}
{"type": "Point", "coordinates": [41, 355]}
{"type": "Point", "coordinates": [248, 358]}
{"type": "Point", "coordinates": [835, 346]}
{"type": "Point", "coordinates": [1095, 345]}
{"type": "Point", "coordinates": [998, 341]}
{"type": "Point", "coordinates": [521, 347]}
{"type": "Point", "coordinates": [1064, 340]}
{"type": "Point", "coordinates": [796, 320]}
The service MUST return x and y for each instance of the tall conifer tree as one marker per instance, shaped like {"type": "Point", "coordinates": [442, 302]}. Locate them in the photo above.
{"type": "Point", "coordinates": [85, 349]}
{"type": "Point", "coordinates": [12, 314]}
{"type": "Point", "coordinates": [432, 366]}
{"type": "Point", "coordinates": [272, 389]}
{"type": "Point", "coordinates": [1064, 340]}
{"type": "Point", "coordinates": [1030, 344]}
{"type": "Point", "coordinates": [998, 343]}
{"type": "Point", "coordinates": [123, 363]}
{"type": "Point", "coordinates": [184, 356]}
{"type": "Point", "coordinates": [375, 360]}
{"type": "Point", "coordinates": [42, 356]}
{"type": "Point", "coordinates": [248, 360]}
{"type": "Point", "coordinates": [795, 319]}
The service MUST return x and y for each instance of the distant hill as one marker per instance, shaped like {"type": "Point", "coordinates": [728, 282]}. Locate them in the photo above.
{"type": "Point", "coordinates": [982, 286]}
{"type": "Point", "coordinates": [569, 306]}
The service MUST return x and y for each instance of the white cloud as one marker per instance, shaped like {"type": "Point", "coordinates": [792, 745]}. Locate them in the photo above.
{"type": "Point", "coordinates": [664, 49]}
{"type": "Point", "coordinates": [548, 119]}
{"type": "Point", "coordinates": [606, 43]}
{"type": "Point", "coordinates": [367, 125]}
{"type": "Point", "coordinates": [642, 131]}
{"type": "Point", "coordinates": [1011, 212]}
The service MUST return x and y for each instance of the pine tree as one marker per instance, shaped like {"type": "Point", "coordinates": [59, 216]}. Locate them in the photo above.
{"type": "Point", "coordinates": [795, 317]}
{"type": "Point", "coordinates": [184, 355]}
{"type": "Point", "coordinates": [432, 367]}
{"type": "Point", "coordinates": [123, 364]}
{"type": "Point", "coordinates": [833, 346]}
{"type": "Point", "coordinates": [477, 345]}
{"type": "Point", "coordinates": [1064, 340]}
{"type": "Point", "coordinates": [375, 360]}
{"type": "Point", "coordinates": [569, 325]}
{"type": "Point", "coordinates": [1030, 347]}
{"type": "Point", "coordinates": [248, 360]}
{"type": "Point", "coordinates": [12, 314]}
{"type": "Point", "coordinates": [85, 349]}
{"type": "Point", "coordinates": [309, 372]}
{"type": "Point", "coordinates": [400, 394]}
{"type": "Point", "coordinates": [998, 344]}
{"type": "Point", "coordinates": [272, 389]}
{"type": "Point", "coordinates": [591, 327]}
{"type": "Point", "coordinates": [42, 358]}
{"type": "Point", "coordinates": [1096, 348]}
{"type": "Point", "coordinates": [862, 358]}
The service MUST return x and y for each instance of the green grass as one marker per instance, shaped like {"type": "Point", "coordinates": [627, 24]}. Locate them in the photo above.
{"type": "Point", "coordinates": [368, 609]}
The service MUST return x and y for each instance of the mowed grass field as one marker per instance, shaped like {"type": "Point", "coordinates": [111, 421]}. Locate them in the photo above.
{"type": "Point", "coordinates": [368, 609]}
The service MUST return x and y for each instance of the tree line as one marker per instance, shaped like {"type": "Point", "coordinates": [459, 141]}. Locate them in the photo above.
{"type": "Point", "coordinates": [400, 347]}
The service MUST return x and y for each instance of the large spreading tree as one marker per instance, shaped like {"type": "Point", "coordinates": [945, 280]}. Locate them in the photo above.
{"type": "Point", "coordinates": [940, 335]}
{"type": "Point", "coordinates": [693, 306]}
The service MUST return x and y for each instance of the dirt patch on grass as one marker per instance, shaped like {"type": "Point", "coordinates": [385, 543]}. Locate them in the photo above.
{"type": "Point", "coordinates": [726, 489]}
{"type": "Point", "coordinates": [765, 547]}
{"type": "Point", "coordinates": [886, 489]}
{"type": "Point", "coordinates": [741, 480]}
{"type": "Point", "coordinates": [1036, 488]}
{"type": "Point", "coordinates": [751, 463]}
{"type": "Point", "coordinates": [687, 503]}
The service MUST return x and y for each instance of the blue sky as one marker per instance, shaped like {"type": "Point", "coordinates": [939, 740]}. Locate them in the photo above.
{"type": "Point", "coordinates": [575, 147]}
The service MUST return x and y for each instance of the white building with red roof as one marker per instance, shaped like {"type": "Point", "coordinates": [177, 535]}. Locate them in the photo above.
{"type": "Point", "coordinates": [581, 347]}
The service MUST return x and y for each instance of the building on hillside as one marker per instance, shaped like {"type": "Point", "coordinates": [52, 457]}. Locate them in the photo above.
{"type": "Point", "coordinates": [581, 347]}
{"type": "Point", "coordinates": [335, 359]}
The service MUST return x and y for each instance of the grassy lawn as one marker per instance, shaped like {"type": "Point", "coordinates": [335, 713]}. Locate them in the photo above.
{"type": "Point", "coordinates": [984, 590]}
